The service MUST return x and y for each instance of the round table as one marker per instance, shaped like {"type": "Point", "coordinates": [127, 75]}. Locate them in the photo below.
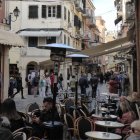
{"type": "Point", "coordinates": [102, 135]}
{"type": "Point", "coordinates": [105, 117]}
{"type": "Point", "coordinates": [109, 94]}
{"type": "Point", "coordinates": [109, 124]}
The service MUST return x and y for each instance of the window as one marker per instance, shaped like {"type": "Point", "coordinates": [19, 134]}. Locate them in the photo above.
{"type": "Point", "coordinates": [58, 11]}
{"type": "Point", "coordinates": [33, 11]}
{"type": "Point", "coordinates": [50, 40]}
{"type": "Point", "coordinates": [68, 16]}
{"type": "Point", "coordinates": [65, 13]}
{"type": "Point", "coordinates": [51, 11]}
{"type": "Point", "coordinates": [43, 11]}
{"type": "Point", "coordinates": [64, 39]}
{"type": "Point", "coordinates": [32, 41]}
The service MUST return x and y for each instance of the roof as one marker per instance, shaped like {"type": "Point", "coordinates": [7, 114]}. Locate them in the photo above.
{"type": "Point", "coordinates": [11, 39]}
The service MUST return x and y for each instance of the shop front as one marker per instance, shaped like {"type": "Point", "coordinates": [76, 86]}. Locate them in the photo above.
{"type": "Point", "coordinates": [7, 40]}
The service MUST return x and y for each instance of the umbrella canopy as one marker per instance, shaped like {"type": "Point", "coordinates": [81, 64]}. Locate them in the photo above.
{"type": "Point", "coordinates": [77, 56]}
{"type": "Point", "coordinates": [58, 45]}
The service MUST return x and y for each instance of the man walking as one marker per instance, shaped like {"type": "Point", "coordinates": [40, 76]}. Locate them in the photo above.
{"type": "Point", "coordinates": [19, 86]}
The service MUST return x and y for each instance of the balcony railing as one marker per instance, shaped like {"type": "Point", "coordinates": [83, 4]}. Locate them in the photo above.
{"type": "Point", "coordinates": [79, 5]}
{"type": "Point", "coordinates": [92, 22]}
{"type": "Point", "coordinates": [87, 13]}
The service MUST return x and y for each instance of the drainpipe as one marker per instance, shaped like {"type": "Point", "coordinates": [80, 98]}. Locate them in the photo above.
{"type": "Point", "coordinates": [137, 21]}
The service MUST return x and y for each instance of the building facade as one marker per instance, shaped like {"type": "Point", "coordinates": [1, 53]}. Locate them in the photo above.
{"type": "Point", "coordinates": [45, 22]}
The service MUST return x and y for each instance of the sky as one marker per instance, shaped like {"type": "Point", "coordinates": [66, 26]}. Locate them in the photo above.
{"type": "Point", "coordinates": [106, 9]}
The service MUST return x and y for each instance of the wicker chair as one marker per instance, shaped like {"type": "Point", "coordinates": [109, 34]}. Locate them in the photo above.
{"type": "Point", "coordinates": [31, 107]}
{"type": "Point", "coordinates": [27, 130]}
{"type": "Point", "coordinates": [34, 138]}
{"type": "Point", "coordinates": [69, 121]}
{"type": "Point", "coordinates": [19, 136]}
{"type": "Point", "coordinates": [82, 125]}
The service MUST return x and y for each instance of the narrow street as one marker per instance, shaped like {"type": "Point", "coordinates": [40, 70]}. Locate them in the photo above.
{"type": "Point", "coordinates": [22, 103]}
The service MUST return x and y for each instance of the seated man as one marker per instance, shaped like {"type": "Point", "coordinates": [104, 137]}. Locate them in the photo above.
{"type": "Point", "coordinates": [43, 116]}
{"type": "Point", "coordinates": [135, 135]}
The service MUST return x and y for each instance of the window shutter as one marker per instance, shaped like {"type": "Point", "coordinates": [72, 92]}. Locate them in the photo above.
{"type": "Point", "coordinates": [76, 21]}
{"type": "Point", "coordinates": [44, 14]}
{"type": "Point", "coordinates": [79, 23]}
{"type": "Point", "coordinates": [58, 11]}
{"type": "Point", "coordinates": [33, 11]}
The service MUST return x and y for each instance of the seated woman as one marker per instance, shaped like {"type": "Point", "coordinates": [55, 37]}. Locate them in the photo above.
{"type": "Point", "coordinates": [5, 134]}
{"type": "Point", "coordinates": [128, 116]}
{"type": "Point", "coordinates": [135, 134]}
{"type": "Point", "coordinates": [132, 99]}
{"type": "Point", "coordinates": [9, 111]}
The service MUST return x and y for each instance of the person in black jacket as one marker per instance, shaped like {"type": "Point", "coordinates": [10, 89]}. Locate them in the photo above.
{"type": "Point", "coordinates": [19, 86]}
{"type": "Point", "coordinates": [44, 116]}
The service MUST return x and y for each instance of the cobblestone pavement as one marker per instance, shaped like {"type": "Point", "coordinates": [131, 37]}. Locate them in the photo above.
{"type": "Point", "coordinates": [21, 104]}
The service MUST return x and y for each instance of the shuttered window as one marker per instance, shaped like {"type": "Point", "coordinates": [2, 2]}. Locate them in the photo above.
{"type": "Point", "coordinates": [33, 11]}
{"type": "Point", "coordinates": [44, 12]}
{"type": "Point", "coordinates": [58, 11]}
{"type": "Point", "coordinates": [65, 13]}
{"type": "Point", "coordinates": [32, 41]}
{"type": "Point", "coordinates": [68, 16]}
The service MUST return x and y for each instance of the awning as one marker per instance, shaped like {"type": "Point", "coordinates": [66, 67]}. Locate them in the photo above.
{"type": "Point", "coordinates": [110, 47]}
{"type": "Point", "coordinates": [11, 39]}
{"type": "Point", "coordinates": [118, 20]}
{"type": "Point", "coordinates": [41, 33]}
{"type": "Point", "coordinates": [46, 63]}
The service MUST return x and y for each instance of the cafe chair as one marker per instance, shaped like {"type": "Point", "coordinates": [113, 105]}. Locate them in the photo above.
{"type": "Point", "coordinates": [32, 106]}
{"type": "Point", "coordinates": [82, 125]}
{"type": "Point", "coordinates": [138, 109]}
{"type": "Point", "coordinates": [27, 130]}
{"type": "Point", "coordinates": [69, 121]}
{"type": "Point", "coordinates": [34, 138]}
{"type": "Point", "coordinates": [85, 109]}
{"type": "Point", "coordinates": [68, 103]}
{"type": "Point", "coordinates": [82, 113]}
{"type": "Point", "coordinates": [19, 136]}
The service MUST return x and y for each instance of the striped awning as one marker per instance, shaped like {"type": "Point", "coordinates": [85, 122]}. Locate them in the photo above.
{"type": "Point", "coordinates": [11, 39]}
{"type": "Point", "coordinates": [40, 33]}
{"type": "Point", "coordinates": [110, 47]}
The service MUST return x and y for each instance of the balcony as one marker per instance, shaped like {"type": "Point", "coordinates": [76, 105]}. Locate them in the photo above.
{"type": "Point", "coordinates": [92, 22]}
{"type": "Point", "coordinates": [79, 34]}
{"type": "Point", "coordinates": [79, 5]}
{"type": "Point", "coordinates": [87, 13]}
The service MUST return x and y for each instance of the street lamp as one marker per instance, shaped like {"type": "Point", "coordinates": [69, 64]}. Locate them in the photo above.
{"type": "Point", "coordinates": [15, 13]}
{"type": "Point", "coordinates": [58, 54]}
{"type": "Point", "coordinates": [77, 61]}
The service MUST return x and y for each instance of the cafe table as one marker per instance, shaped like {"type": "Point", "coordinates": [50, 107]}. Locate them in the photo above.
{"type": "Point", "coordinates": [99, 116]}
{"type": "Point", "coordinates": [109, 124]}
{"type": "Point", "coordinates": [97, 135]}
